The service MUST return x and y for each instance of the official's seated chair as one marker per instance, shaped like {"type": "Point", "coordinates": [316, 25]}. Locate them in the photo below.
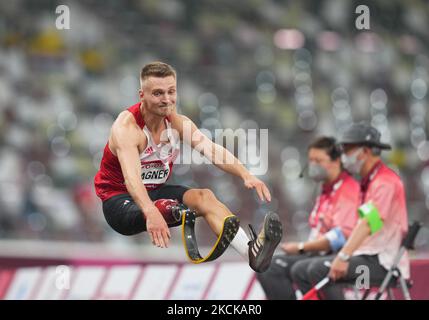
{"type": "Point", "coordinates": [394, 277]}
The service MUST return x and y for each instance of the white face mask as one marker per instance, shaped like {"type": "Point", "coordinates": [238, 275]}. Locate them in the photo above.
{"type": "Point", "coordinates": [317, 172]}
{"type": "Point", "coordinates": [351, 162]}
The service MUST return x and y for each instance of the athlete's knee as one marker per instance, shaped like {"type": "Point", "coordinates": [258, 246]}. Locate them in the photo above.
{"type": "Point", "coordinates": [206, 195]}
{"type": "Point", "coordinates": [199, 198]}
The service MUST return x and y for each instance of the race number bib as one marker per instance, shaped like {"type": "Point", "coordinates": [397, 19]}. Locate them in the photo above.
{"type": "Point", "coordinates": [155, 172]}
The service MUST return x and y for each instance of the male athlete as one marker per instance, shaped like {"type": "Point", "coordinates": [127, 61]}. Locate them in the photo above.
{"type": "Point", "coordinates": [138, 160]}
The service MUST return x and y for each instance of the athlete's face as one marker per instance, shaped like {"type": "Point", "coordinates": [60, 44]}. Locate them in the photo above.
{"type": "Point", "coordinates": [159, 95]}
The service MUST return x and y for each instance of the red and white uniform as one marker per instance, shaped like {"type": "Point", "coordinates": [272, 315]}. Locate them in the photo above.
{"type": "Point", "coordinates": [156, 162]}
{"type": "Point", "coordinates": [384, 188]}
{"type": "Point", "coordinates": [336, 206]}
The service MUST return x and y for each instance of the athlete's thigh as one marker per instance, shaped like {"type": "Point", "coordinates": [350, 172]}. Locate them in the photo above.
{"type": "Point", "coordinates": [168, 191]}
{"type": "Point", "coordinates": [123, 215]}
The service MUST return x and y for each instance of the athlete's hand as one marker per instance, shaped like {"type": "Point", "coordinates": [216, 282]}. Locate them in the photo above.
{"type": "Point", "coordinates": [157, 227]}
{"type": "Point", "coordinates": [252, 182]}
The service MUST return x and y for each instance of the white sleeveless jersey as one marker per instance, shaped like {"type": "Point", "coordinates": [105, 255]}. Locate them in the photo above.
{"type": "Point", "coordinates": [157, 160]}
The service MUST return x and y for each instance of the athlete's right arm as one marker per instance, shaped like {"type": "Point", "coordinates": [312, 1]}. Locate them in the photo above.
{"type": "Point", "coordinates": [124, 141]}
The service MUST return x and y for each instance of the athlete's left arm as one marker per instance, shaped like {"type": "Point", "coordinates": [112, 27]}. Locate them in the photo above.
{"type": "Point", "coordinates": [217, 154]}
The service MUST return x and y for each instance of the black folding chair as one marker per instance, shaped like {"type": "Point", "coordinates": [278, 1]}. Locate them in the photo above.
{"type": "Point", "coordinates": [394, 275]}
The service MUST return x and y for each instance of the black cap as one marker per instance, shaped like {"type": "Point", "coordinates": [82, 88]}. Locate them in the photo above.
{"type": "Point", "coordinates": [364, 134]}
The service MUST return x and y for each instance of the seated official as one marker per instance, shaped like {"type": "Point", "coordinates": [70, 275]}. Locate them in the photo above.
{"type": "Point", "coordinates": [383, 223]}
{"type": "Point", "coordinates": [331, 220]}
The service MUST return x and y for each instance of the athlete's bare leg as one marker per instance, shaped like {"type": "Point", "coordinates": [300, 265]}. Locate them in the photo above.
{"type": "Point", "coordinates": [205, 203]}
{"type": "Point", "coordinates": [208, 206]}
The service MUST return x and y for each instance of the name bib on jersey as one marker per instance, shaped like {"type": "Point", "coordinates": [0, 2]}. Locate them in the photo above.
{"type": "Point", "coordinates": [155, 172]}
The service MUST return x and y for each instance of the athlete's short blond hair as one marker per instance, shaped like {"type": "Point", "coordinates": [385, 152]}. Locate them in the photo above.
{"type": "Point", "coordinates": [157, 69]}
